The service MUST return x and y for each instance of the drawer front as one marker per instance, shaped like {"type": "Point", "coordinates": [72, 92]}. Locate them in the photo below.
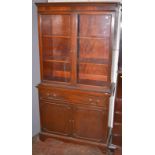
{"type": "Point", "coordinates": [48, 94]}
{"type": "Point", "coordinates": [73, 96]}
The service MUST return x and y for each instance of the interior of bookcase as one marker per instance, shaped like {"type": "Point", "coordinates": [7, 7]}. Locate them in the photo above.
{"type": "Point", "coordinates": [56, 47]}
{"type": "Point", "coordinates": [93, 50]}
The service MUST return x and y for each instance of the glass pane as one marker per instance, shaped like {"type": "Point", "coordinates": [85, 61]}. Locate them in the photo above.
{"type": "Point", "coordinates": [56, 71]}
{"type": "Point", "coordinates": [95, 25]}
{"type": "Point", "coordinates": [93, 74]}
{"type": "Point", "coordinates": [94, 49]}
{"type": "Point", "coordinates": [56, 47]}
{"type": "Point", "coordinates": [56, 25]}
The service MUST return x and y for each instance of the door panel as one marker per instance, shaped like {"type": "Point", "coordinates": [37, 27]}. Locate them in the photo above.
{"type": "Point", "coordinates": [93, 74]}
{"type": "Point", "coordinates": [57, 71]}
{"type": "Point", "coordinates": [56, 47]}
{"type": "Point", "coordinates": [95, 25]}
{"type": "Point", "coordinates": [56, 25]}
{"type": "Point", "coordinates": [94, 45]}
{"type": "Point", "coordinates": [90, 123]}
{"type": "Point", "coordinates": [94, 48]}
{"type": "Point", "coordinates": [55, 117]}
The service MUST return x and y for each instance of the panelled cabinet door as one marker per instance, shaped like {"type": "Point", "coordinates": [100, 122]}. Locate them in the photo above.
{"type": "Point", "coordinates": [90, 123]}
{"type": "Point", "coordinates": [94, 48]}
{"type": "Point", "coordinates": [55, 44]}
{"type": "Point", "coordinates": [55, 117]}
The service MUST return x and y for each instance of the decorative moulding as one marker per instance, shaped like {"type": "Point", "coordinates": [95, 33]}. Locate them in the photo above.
{"type": "Point", "coordinates": [84, 0]}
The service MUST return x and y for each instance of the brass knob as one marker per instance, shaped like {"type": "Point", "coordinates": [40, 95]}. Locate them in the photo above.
{"type": "Point", "coordinates": [106, 94]}
{"type": "Point", "coordinates": [98, 100]}
{"type": "Point", "coordinates": [90, 99]}
{"type": "Point", "coordinates": [54, 95]}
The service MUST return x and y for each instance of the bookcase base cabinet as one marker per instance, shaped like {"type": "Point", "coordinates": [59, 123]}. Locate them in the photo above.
{"type": "Point", "coordinates": [76, 43]}
{"type": "Point", "coordinates": [63, 114]}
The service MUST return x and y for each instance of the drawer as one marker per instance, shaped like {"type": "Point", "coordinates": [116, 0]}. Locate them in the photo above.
{"type": "Point", "coordinates": [93, 100]}
{"type": "Point", "coordinates": [72, 96]}
{"type": "Point", "coordinates": [48, 94]}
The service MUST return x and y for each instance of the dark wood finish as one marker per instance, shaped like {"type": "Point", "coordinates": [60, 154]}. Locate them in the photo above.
{"type": "Point", "coordinates": [60, 48]}
{"type": "Point", "coordinates": [45, 135]}
{"type": "Point", "coordinates": [90, 123]}
{"type": "Point", "coordinates": [84, 6]}
{"type": "Point", "coordinates": [118, 105]}
{"type": "Point", "coordinates": [117, 129]}
{"type": "Point", "coordinates": [97, 25]}
{"type": "Point", "coordinates": [75, 41]}
{"type": "Point", "coordinates": [117, 139]}
{"type": "Point", "coordinates": [75, 36]}
{"type": "Point", "coordinates": [55, 71]}
{"type": "Point", "coordinates": [56, 25]}
{"type": "Point", "coordinates": [55, 117]}
{"type": "Point", "coordinates": [118, 117]}
{"type": "Point", "coordinates": [93, 48]}
{"type": "Point", "coordinates": [56, 47]}
{"type": "Point", "coordinates": [74, 96]}
{"type": "Point", "coordinates": [94, 43]}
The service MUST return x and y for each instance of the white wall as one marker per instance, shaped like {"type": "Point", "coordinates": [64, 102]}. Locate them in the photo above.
{"type": "Point", "coordinates": [35, 70]}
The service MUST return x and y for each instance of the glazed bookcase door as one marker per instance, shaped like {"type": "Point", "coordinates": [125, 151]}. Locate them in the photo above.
{"type": "Point", "coordinates": [55, 45]}
{"type": "Point", "coordinates": [94, 55]}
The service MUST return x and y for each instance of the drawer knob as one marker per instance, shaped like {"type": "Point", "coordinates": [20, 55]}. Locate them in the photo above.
{"type": "Point", "coordinates": [54, 95]}
{"type": "Point", "coordinates": [98, 101]}
{"type": "Point", "coordinates": [106, 94]}
{"type": "Point", "coordinates": [90, 99]}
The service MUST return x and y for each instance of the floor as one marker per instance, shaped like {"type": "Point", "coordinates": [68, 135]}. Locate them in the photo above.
{"type": "Point", "coordinates": [57, 147]}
